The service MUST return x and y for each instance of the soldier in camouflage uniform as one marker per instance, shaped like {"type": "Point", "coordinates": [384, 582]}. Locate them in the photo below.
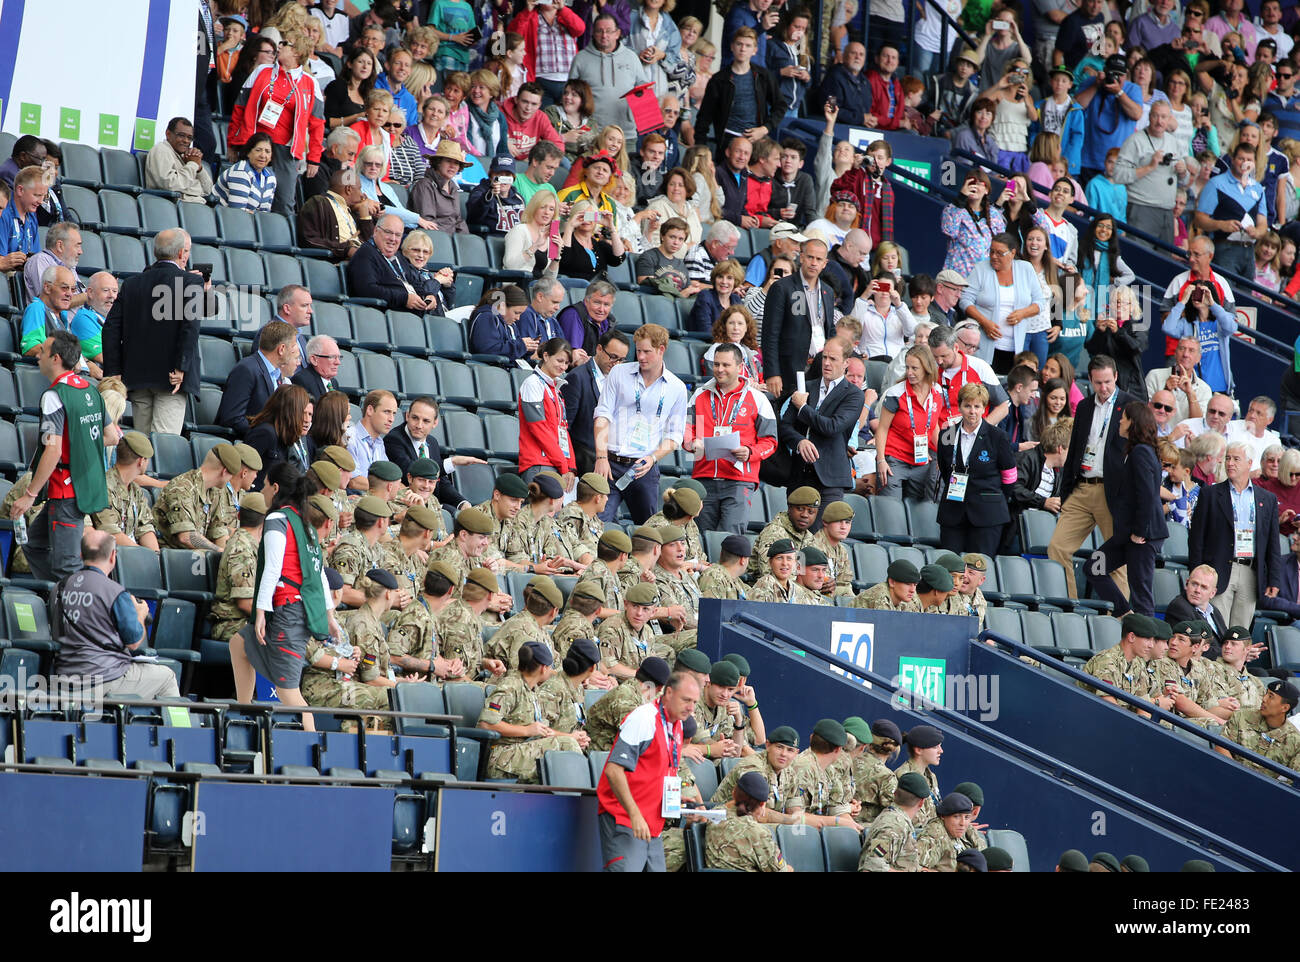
{"type": "Point", "coordinates": [421, 482]}
{"type": "Point", "coordinates": [873, 782]}
{"type": "Point", "coordinates": [1236, 681]}
{"type": "Point", "coordinates": [19, 563]}
{"type": "Point", "coordinates": [740, 843]}
{"type": "Point", "coordinates": [532, 537]}
{"type": "Point", "coordinates": [941, 841]}
{"type": "Point", "coordinates": [793, 523]}
{"type": "Point", "coordinates": [954, 604]}
{"type": "Point", "coordinates": [890, 844]}
{"type": "Point", "coordinates": [722, 580]}
{"type": "Point", "coordinates": [225, 509]}
{"type": "Point", "coordinates": [384, 479]}
{"type": "Point", "coordinates": [357, 550]}
{"type": "Point", "coordinates": [459, 628]}
{"type": "Point", "coordinates": [129, 515]}
{"type": "Point", "coordinates": [626, 639]}
{"type": "Point", "coordinates": [366, 628]}
{"type": "Point", "coordinates": [778, 586]}
{"type": "Point", "coordinates": [819, 789]}
{"type": "Point", "coordinates": [467, 550]}
{"type": "Point", "coordinates": [612, 553]}
{"type": "Point", "coordinates": [1124, 665]}
{"type": "Point", "coordinates": [715, 718]}
{"type": "Point", "coordinates": [579, 523]}
{"type": "Point", "coordinates": [325, 475]}
{"type": "Point", "coordinates": [607, 714]}
{"type": "Point", "coordinates": [563, 695]}
{"type": "Point", "coordinates": [579, 618]}
{"type": "Point", "coordinates": [1188, 680]}
{"type": "Point", "coordinates": [412, 636]}
{"type": "Point", "coordinates": [515, 710]}
{"type": "Point", "coordinates": [934, 589]}
{"type": "Point", "coordinates": [813, 573]}
{"type": "Point", "coordinates": [896, 593]}
{"type": "Point", "coordinates": [682, 506]}
{"type": "Point", "coordinates": [973, 838]}
{"type": "Point", "coordinates": [774, 765]}
{"type": "Point", "coordinates": [407, 554]}
{"type": "Point", "coordinates": [924, 749]}
{"type": "Point", "coordinates": [542, 601]}
{"type": "Point", "coordinates": [1266, 730]}
{"type": "Point", "coordinates": [237, 571]}
{"type": "Point", "coordinates": [677, 589]}
{"type": "Point", "coordinates": [501, 509]}
{"type": "Point", "coordinates": [329, 676]}
{"type": "Point", "coordinates": [837, 520]}
{"type": "Point", "coordinates": [184, 514]}
{"type": "Point", "coordinates": [970, 599]}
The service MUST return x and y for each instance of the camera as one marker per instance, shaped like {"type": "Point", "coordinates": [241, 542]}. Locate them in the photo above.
{"type": "Point", "coordinates": [832, 102]}
{"type": "Point", "coordinates": [1113, 78]}
{"type": "Point", "coordinates": [1167, 160]}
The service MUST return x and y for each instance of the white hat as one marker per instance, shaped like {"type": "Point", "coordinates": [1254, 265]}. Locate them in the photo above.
{"type": "Point", "coordinates": [950, 276]}
{"type": "Point", "coordinates": [784, 230]}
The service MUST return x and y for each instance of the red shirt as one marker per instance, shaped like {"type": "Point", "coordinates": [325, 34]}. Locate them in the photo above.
{"type": "Point", "coordinates": [746, 412]}
{"type": "Point", "coordinates": [543, 427]}
{"type": "Point", "coordinates": [925, 418]}
{"type": "Point", "coordinates": [290, 570]}
{"type": "Point", "coordinates": [643, 750]}
{"type": "Point", "coordinates": [60, 483]}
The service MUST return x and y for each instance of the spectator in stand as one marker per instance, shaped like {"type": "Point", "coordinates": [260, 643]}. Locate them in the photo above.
{"type": "Point", "coordinates": [407, 161]}
{"type": "Point", "coordinates": [793, 193]}
{"type": "Point", "coordinates": [819, 424]}
{"type": "Point", "coordinates": [279, 430]}
{"type": "Point", "coordinates": [88, 322]}
{"type": "Point", "coordinates": [532, 245]}
{"type": "Point", "coordinates": [739, 101]}
{"type": "Point", "coordinates": [611, 69]}
{"type": "Point", "coordinates": [756, 297]}
{"type": "Point", "coordinates": [544, 441]}
{"type": "Point", "coordinates": [550, 32]}
{"type": "Point", "coordinates": [1266, 249]}
{"type": "Point", "coordinates": [662, 268]}
{"type": "Point", "coordinates": [954, 356]}
{"type": "Point", "coordinates": [436, 195]}
{"type": "Point", "coordinates": [541, 320]}
{"type": "Point", "coordinates": [848, 85]}
{"type": "Point", "coordinates": [28, 151]}
{"type": "Point", "coordinates": [571, 117]}
{"type": "Point", "coordinates": [1116, 334]}
{"type": "Point", "coordinates": [340, 220]}
{"type": "Point", "coordinates": [597, 171]}
{"type": "Point", "coordinates": [393, 79]}
{"type": "Point", "coordinates": [655, 38]}
{"type": "Point", "coordinates": [1060, 114]}
{"type": "Point", "coordinates": [1102, 269]}
{"type": "Point", "coordinates": [719, 245]}
{"type": "Point", "coordinates": [764, 161]}
{"type": "Point", "coordinates": [755, 15]}
{"type": "Point", "coordinates": [341, 148]}
{"type": "Point", "coordinates": [727, 278]}
{"type": "Point", "coordinates": [494, 326]}
{"type": "Point", "coordinates": [1014, 114]}
{"type": "Point", "coordinates": [1230, 19]}
{"type": "Point", "coordinates": [949, 95]}
{"type": "Point", "coordinates": [976, 136]}
{"type": "Point", "coordinates": [887, 323]}
{"type": "Point", "coordinates": [970, 225]}
{"type": "Point", "coordinates": [494, 206]}
{"type": "Point", "coordinates": [320, 367]}
{"type": "Point", "coordinates": [976, 474]}
{"type": "Point", "coordinates": [372, 128]}
{"type": "Point", "coordinates": [254, 379]}
{"type": "Point", "coordinates": [708, 197]}
{"type": "Point", "coordinates": [1154, 28]}
{"type": "Point", "coordinates": [436, 287]}
{"type": "Point", "coordinates": [648, 169]}
{"type": "Point", "coordinates": [581, 389]}
{"type": "Point", "coordinates": [1112, 107]}
{"type": "Point", "coordinates": [370, 170]}
{"type": "Point", "coordinates": [433, 125]}
{"type": "Point", "coordinates": [675, 201]}
{"type": "Point", "coordinates": [589, 245]}
{"type": "Point", "coordinates": [1107, 194]}
{"type": "Point", "coordinates": [1197, 313]}
{"type": "Point", "coordinates": [346, 96]}
{"type": "Point", "coordinates": [377, 270]}
{"type": "Point", "coordinates": [789, 60]}
{"type": "Point", "coordinates": [526, 123]}
{"type": "Point", "coordinates": [296, 127]}
{"type": "Point", "coordinates": [1232, 206]}
{"type": "Point", "coordinates": [335, 24]}
{"type": "Point", "coordinates": [62, 249]}
{"type": "Point", "coordinates": [1151, 168]}
{"type": "Point", "coordinates": [1190, 393]}
{"type": "Point", "coordinates": [176, 164]}
{"type": "Point", "coordinates": [736, 326]}
{"type": "Point", "coordinates": [845, 271]}
{"type": "Point", "coordinates": [1080, 34]}
{"type": "Point", "coordinates": [488, 128]}
{"type": "Point", "coordinates": [49, 312]}
{"type": "Point", "coordinates": [249, 184]}
{"type": "Point", "coordinates": [589, 321]}
{"type": "Point", "coordinates": [1002, 296]}
{"type": "Point", "coordinates": [907, 432]}
{"type": "Point", "coordinates": [799, 319]}
{"type": "Point", "coordinates": [543, 161]}
{"type": "Point", "coordinates": [887, 90]}
{"type": "Point", "coordinates": [454, 23]}
{"type": "Point", "coordinates": [1284, 96]}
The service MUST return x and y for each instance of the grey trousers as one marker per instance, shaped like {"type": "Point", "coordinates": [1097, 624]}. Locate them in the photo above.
{"type": "Point", "coordinates": [621, 851]}
{"type": "Point", "coordinates": [1156, 221]}
{"type": "Point", "coordinates": [53, 546]}
{"type": "Point", "coordinates": [920, 482]}
{"type": "Point", "coordinates": [145, 681]}
{"type": "Point", "coordinates": [726, 505]}
{"type": "Point", "coordinates": [285, 166]}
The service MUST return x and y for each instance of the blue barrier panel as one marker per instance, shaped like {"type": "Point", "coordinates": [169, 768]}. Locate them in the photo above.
{"type": "Point", "coordinates": [481, 831]}
{"type": "Point", "coordinates": [71, 823]}
{"type": "Point", "coordinates": [266, 828]}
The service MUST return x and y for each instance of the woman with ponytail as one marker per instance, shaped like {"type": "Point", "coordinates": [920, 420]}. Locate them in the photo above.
{"type": "Point", "coordinates": [740, 843]}
{"type": "Point", "coordinates": [514, 710]}
{"type": "Point", "coordinates": [366, 626]}
{"type": "Point", "coordinates": [563, 695]}
{"type": "Point", "coordinates": [534, 537]}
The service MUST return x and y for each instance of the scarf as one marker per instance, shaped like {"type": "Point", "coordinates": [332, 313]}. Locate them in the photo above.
{"type": "Point", "coordinates": [485, 121]}
{"type": "Point", "coordinates": [1096, 274]}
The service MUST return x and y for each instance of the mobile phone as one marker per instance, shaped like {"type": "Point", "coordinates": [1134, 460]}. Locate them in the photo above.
{"type": "Point", "coordinates": [1000, 25]}
{"type": "Point", "coordinates": [205, 270]}
{"type": "Point", "coordinates": [881, 287]}
{"type": "Point", "coordinates": [589, 217]}
{"type": "Point", "coordinates": [833, 102]}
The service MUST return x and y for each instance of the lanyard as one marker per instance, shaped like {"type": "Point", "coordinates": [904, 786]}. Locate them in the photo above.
{"type": "Point", "coordinates": [270, 90]}
{"type": "Point", "coordinates": [958, 382]}
{"type": "Point", "coordinates": [670, 730]}
{"type": "Point", "coordinates": [659, 411]}
{"type": "Point", "coordinates": [735, 411]}
{"type": "Point", "coordinates": [958, 461]}
{"type": "Point", "coordinates": [928, 408]}
{"type": "Point", "coordinates": [1250, 497]}
{"type": "Point", "coordinates": [1105, 423]}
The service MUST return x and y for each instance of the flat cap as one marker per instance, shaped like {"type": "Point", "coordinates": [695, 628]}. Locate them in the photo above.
{"type": "Point", "coordinates": [692, 659]}
{"type": "Point", "coordinates": [804, 496]}
{"type": "Point", "coordinates": [328, 474]}
{"type": "Point", "coordinates": [914, 783]}
{"type": "Point", "coordinates": [974, 559]}
{"type": "Point", "coordinates": [229, 457]}
{"type": "Point", "coordinates": [837, 511]}
{"type": "Point", "coordinates": [385, 471]}
{"type": "Point", "coordinates": [484, 578]}
{"type": "Point", "coordinates": [949, 276]}
{"type": "Point", "coordinates": [971, 791]}
{"type": "Point", "coordinates": [904, 571]}
{"type": "Point", "coordinates": [251, 501]}
{"type": "Point", "coordinates": [780, 546]}
{"type": "Point", "coordinates": [1107, 861]}
{"type": "Point", "coordinates": [550, 486]}
{"type": "Point", "coordinates": [594, 481]}
{"type": "Point", "coordinates": [973, 859]}
{"type": "Point", "coordinates": [382, 576]}
{"type": "Point", "coordinates": [548, 589]}
{"type": "Point", "coordinates": [937, 577]}
{"type": "Point", "coordinates": [339, 455]}
{"type": "Point", "coordinates": [426, 518]}
{"type": "Point", "coordinates": [583, 651]}
{"type": "Point", "coordinates": [687, 500]}
{"type": "Point", "coordinates": [139, 444]}
{"type": "Point", "coordinates": [998, 859]}
{"type": "Point", "coordinates": [737, 545]}
{"type": "Point", "coordinates": [740, 661]}
{"type": "Point", "coordinates": [654, 669]}
{"type": "Point", "coordinates": [754, 785]}
{"type": "Point", "coordinates": [648, 533]}
{"type": "Point", "coordinates": [813, 556]}
{"type": "Point", "coordinates": [1072, 860]}
{"type": "Point", "coordinates": [474, 521]}
{"type": "Point", "coordinates": [511, 485]}
{"type": "Point", "coordinates": [883, 728]}
{"type": "Point", "coordinates": [950, 563]}
{"type": "Point", "coordinates": [923, 736]}
{"type": "Point", "coordinates": [1134, 863]}
{"type": "Point", "coordinates": [724, 674]}
{"type": "Point", "coordinates": [325, 506]}
{"type": "Point", "coordinates": [376, 506]}
{"type": "Point", "coordinates": [423, 468]}
{"type": "Point", "coordinates": [858, 728]}
{"type": "Point", "coordinates": [444, 569]}
{"type": "Point", "coordinates": [954, 803]}
{"type": "Point", "coordinates": [783, 735]}
{"type": "Point", "coordinates": [642, 594]}
{"type": "Point", "coordinates": [831, 731]}
{"type": "Point", "coordinates": [615, 538]}
{"type": "Point", "coordinates": [333, 579]}
{"type": "Point", "coordinates": [541, 653]}
{"type": "Point", "coordinates": [669, 533]}
{"type": "Point", "coordinates": [248, 456]}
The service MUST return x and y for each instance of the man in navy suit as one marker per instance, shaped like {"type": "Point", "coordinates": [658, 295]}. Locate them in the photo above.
{"type": "Point", "coordinates": [1234, 530]}
{"type": "Point", "coordinates": [415, 439]}
{"type": "Point", "coordinates": [319, 370]}
{"type": "Point", "coordinates": [798, 317]}
{"type": "Point", "coordinates": [1093, 471]}
{"type": "Point", "coordinates": [817, 426]}
{"type": "Point", "coordinates": [581, 391]}
{"type": "Point", "coordinates": [378, 270]}
{"type": "Point", "coordinates": [254, 379]}
{"type": "Point", "coordinates": [293, 306]}
{"type": "Point", "coordinates": [1194, 604]}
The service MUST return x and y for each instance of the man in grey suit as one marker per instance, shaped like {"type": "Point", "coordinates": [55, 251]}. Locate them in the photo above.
{"type": "Point", "coordinates": [798, 320]}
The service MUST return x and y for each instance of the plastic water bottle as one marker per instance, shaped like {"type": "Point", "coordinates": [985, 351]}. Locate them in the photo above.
{"type": "Point", "coordinates": [20, 530]}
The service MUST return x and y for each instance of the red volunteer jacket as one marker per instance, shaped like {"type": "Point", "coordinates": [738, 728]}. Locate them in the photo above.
{"type": "Point", "coordinates": [743, 409]}
{"type": "Point", "coordinates": [301, 124]}
{"type": "Point", "coordinates": [543, 426]}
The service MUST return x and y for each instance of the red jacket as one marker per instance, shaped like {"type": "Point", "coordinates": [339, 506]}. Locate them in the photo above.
{"type": "Point", "coordinates": [523, 136]}
{"type": "Point", "coordinates": [747, 412]}
{"type": "Point", "coordinates": [758, 195]}
{"type": "Point", "coordinates": [880, 101]}
{"type": "Point", "coordinates": [543, 427]}
{"type": "Point", "coordinates": [525, 24]}
{"type": "Point", "coordinates": [301, 125]}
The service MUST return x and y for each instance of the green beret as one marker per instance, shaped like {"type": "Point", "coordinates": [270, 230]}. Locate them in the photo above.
{"type": "Point", "coordinates": [1108, 861]}
{"type": "Point", "coordinates": [474, 521]}
{"type": "Point", "coordinates": [687, 500]}
{"type": "Point", "coordinates": [139, 444]}
{"type": "Point", "coordinates": [904, 571]}
{"type": "Point", "coordinates": [649, 533]}
{"type": "Point", "coordinates": [1139, 625]}
{"type": "Point", "coordinates": [371, 504]}
{"type": "Point", "coordinates": [937, 577]}
{"type": "Point", "coordinates": [328, 474]}
{"type": "Point", "coordinates": [548, 589]}
{"type": "Point", "coordinates": [511, 485]}
{"type": "Point", "coordinates": [423, 468]}
{"type": "Point", "coordinates": [248, 456]}
{"type": "Point", "coordinates": [590, 588]}
{"type": "Point", "coordinates": [813, 556]}
{"type": "Point", "coordinates": [951, 563]}
{"type": "Point", "coordinates": [484, 578]}
{"type": "Point", "coordinates": [229, 457]}
{"type": "Point", "coordinates": [740, 661]}
{"type": "Point", "coordinates": [325, 506]}
{"type": "Point", "coordinates": [669, 533]}
{"type": "Point", "coordinates": [1236, 633]}
{"type": "Point", "coordinates": [692, 659]}
{"type": "Point", "coordinates": [954, 803]}
{"type": "Point", "coordinates": [616, 539]}
{"type": "Point", "coordinates": [914, 783]}
{"type": "Point", "coordinates": [254, 501]}
{"type": "Point", "coordinates": [1160, 630]}
{"type": "Point", "coordinates": [385, 471]}
{"type": "Point", "coordinates": [784, 735]}
{"type": "Point", "coordinates": [780, 546]}
{"type": "Point", "coordinates": [426, 518]}
{"type": "Point", "coordinates": [1072, 860]}
{"type": "Point", "coordinates": [444, 569]}
{"type": "Point", "coordinates": [804, 496]}
{"type": "Point", "coordinates": [725, 674]}
{"type": "Point", "coordinates": [594, 481]}
{"type": "Point", "coordinates": [339, 455]}
{"type": "Point", "coordinates": [829, 730]}
{"type": "Point", "coordinates": [974, 559]}
{"type": "Point", "coordinates": [1192, 629]}
{"type": "Point", "coordinates": [971, 791]}
{"type": "Point", "coordinates": [837, 511]}
{"type": "Point", "coordinates": [998, 859]}
{"type": "Point", "coordinates": [1134, 863]}
{"type": "Point", "coordinates": [1197, 865]}
{"type": "Point", "coordinates": [858, 728]}
{"type": "Point", "coordinates": [641, 594]}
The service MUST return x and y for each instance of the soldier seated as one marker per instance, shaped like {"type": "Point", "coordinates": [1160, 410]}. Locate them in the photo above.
{"type": "Point", "coordinates": [1266, 730]}
{"type": "Point", "coordinates": [890, 845]}
{"type": "Point", "coordinates": [943, 840]}
{"type": "Point", "coordinates": [722, 580]}
{"type": "Point", "coordinates": [740, 843]}
{"type": "Point", "coordinates": [514, 710]}
{"type": "Point", "coordinates": [896, 593]}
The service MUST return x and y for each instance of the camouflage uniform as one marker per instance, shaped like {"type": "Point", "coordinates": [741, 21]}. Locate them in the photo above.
{"type": "Point", "coordinates": [975, 605]}
{"type": "Point", "coordinates": [694, 540]}
{"type": "Point", "coordinates": [369, 634]}
{"type": "Point", "coordinates": [354, 555]}
{"type": "Point", "coordinates": [817, 790]}
{"type": "Point", "coordinates": [623, 646]}
{"type": "Point", "coordinates": [411, 633]}
{"type": "Point", "coordinates": [938, 850]}
{"type": "Point", "coordinates": [19, 564]}
{"type": "Point", "coordinates": [877, 597]}
{"type": "Point", "coordinates": [778, 528]}
{"type": "Point", "coordinates": [399, 505]}
{"type": "Point", "coordinates": [1245, 687]}
{"type": "Point", "coordinates": [512, 636]}
{"type": "Point", "coordinates": [768, 589]}
{"type": "Point", "coordinates": [1248, 729]}
{"type": "Point", "coordinates": [563, 704]}
{"type": "Point", "coordinates": [873, 786]}
{"type": "Point", "coordinates": [717, 582]}
{"type": "Point", "coordinates": [599, 572]}
{"type": "Point", "coordinates": [323, 688]}
{"type": "Point", "coordinates": [974, 838]}
{"type": "Point", "coordinates": [1110, 666]}
{"type": "Point", "coordinates": [927, 807]}
{"type": "Point", "coordinates": [532, 539]}
{"type": "Point", "coordinates": [460, 635]}
{"type": "Point", "coordinates": [1197, 683]}
{"type": "Point", "coordinates": [449, 554]}
{"type": "Point", "coordinates": [235, 576]}
{"type": "Point", "coordinates": [838, 561]}
{"type": "Point", "coordinates": [514, 703]}
{"type": "Point", "coordinates": [225, 509]}
{"type": "Point", "coordinates": [713, 723]}
{"type": "Point", "coordinates": [406, 568]}
{"type": "Point", "coordinates": [679, 589]}
{"type": "Point", "coordinates": [579, 534]}
{"type": "Point", "coordinates": [129, 511]}
{"type": "Point", "coordinates": [743, 845]}
{"type": "Point", "coordinates": [607, 714]}
{"type": "Point", "coordinates": [498, 539]}
{"type": "Point", "coordinates": [778, 782]}
{"type": "Point", "coordinates": [890, 844]}
{"type": "Point", "coordinates": [569, 628]}
{"type": "Point", "coordinates": [806, 596]}
{"type": "Point", "coordinates": [185, 506]}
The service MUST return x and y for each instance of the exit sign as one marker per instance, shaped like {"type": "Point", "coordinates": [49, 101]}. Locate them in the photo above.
{"type": "Point", "coordinates": [926, 677]}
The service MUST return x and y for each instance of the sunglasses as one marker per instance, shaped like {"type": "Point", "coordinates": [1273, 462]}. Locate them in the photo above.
{"type": "Point", "coordinates": [1284, 76]}
{"type": "Point", "coordinates": [1162, 407]}
{"type": "Point", "coordinates": [395, 126]}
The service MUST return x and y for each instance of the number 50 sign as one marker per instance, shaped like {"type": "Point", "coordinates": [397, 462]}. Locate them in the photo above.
{"type": "Point", "coordinates": [853, 641]}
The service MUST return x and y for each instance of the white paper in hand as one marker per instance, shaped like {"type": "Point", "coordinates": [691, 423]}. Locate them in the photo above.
{"type": "Point", "coordinates": [799, 383]}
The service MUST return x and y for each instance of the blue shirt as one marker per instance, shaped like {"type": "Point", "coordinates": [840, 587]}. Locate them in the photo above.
{"type": "Point", "coordinates": [1106, 125]}
{"type": "Point", "coordinates": [39, 322]}
{"type": "Point", "coordinates": [404, 99]}
{"type": "Point", "coordinates": [532, 324]}
{"type": "Point", "coordinates": [1243, 506]}
{"type": "Point", "coordinates": [272, 371]}
{"type": "Point", "coordinates": [365, 451]}
{"type": "Point", "coordinates": [744, 108]}
{"type": "Point", "coordinates": [17, 234]}
{"type": "Point", "coordinates": [1226, 198]}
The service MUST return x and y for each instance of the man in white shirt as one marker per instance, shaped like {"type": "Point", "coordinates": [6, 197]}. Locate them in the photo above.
{"type": "Point", "coordinates": [1252, 430]}
{"type": "Point", "coordinates": [1191, 394]}
{"type": "Point", "coordinates": [1218, 418]}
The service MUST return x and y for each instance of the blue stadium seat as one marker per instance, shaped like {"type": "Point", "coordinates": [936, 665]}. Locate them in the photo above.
{"type": "Point", "coordinates": [407, 333]}
{"type": "Point", "coordinates": [416, 376]}
{"type": "Point", "coordinates": [281, 270]}
{"type": "Point", "coordinates": [158, 213]}
{"type": "Point", "coordinates": [446, 338]}
{"type": "Point", "coordinates": [200, 222]}
{"type": "Point", "coordinates": [245, 267]}
{"type": "Point", "coordinates": [889, 520]}
{"type": "Point", "coordinates": [324, 279]}
{"type": "Point", "coordinates": [81, 206]}
{"type": "Point", "coordinates": [801, 845]}
{"type": "Point", "coordinates": [456, 382]}
{"type": "Point", "coordinates": [216, 359]}
{"type": "Point", "coordinates": [872, 563]}
{"type": "Point", "coordinates": [370, 330]}
{"type": "Point", "coordinates": [118, 170]}
{"type": "Point", "coordinates": [502, 435]}
{"type": "Point", "coordinates": [566, 770]}
{"type": "Point", "coordinates": [80, 164]}
{"type": "Point", "coordinates": [465, 433]}
{"type": "Point", "coordinates": [495, 389]}
{"type": "Point", "coordinates": [119, 212]}
{"type": "Point", "coordinates": [842, 847]}
{"type": "Point", "coordinates": [171, 455]}
{"type": "Point", "coordinates": [124, 254]}
{"type": "Point", "coordinates": [238, 228]}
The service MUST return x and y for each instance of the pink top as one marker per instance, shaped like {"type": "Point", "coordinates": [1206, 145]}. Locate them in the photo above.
{"type": "Point", "coordinates": [1075, 397]}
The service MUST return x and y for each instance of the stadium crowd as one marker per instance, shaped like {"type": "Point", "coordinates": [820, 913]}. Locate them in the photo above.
{"type": "Point", "coordinates": [1010, 384]}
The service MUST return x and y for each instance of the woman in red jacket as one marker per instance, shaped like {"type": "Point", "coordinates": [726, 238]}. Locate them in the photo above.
{"type": "Point", "coordinates": [558, 29]}
{"type": "Point", "coordinates": [544, 443]}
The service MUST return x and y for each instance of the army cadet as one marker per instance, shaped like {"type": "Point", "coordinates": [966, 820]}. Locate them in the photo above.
{"type": "Point", "coordinates": [859, 736]}
{"type": "Point", "coordinates": [366, 629]}
{"type": "Point", "coordinates": [533, 538]}
{"type": "Point", "coordinates": [819, 791]}
{"type": "Point", "coordinates": [468, 549]}
{"type": "Point", "coordinates": [508, 493]}
{"type": "Point", "coordinates": [974, 836]}
{"type": "Point", "coordinates": [579, 523]}
{"type": "Point", "coordinates": [1123, 665]}
{"type": "Point", "coordinates": [515, 711]}
{"type": "Point", "coordinates": [970, 598]}
{"type": "Point", "coordinates": [677, 589]}
{"type": "Point", "coordinates": [896, 593]}
{"type": "Point", "coordinates": [812, 573]}
{"type": "Point", "coordinates": [793, 523]}
{"type": "Point", "coordinates": [924, 749]}
{"type": "Point", "coordinates": [607, 714]}
{"type": "Point", "coordinates": [129, 515]}
{"type": "Point", "coordinates": [722, 580]}
{"type": "Point", "coordinates": [740, 843]}
{"type": "Point", "coordinates": [1265, 730]}
{"type": "Point", "coordinates": [330, 670]}
{"type": "Point", "coordinates": [612, 551]}
{"type": "Point", "coordinates": [563, 695]}
{"type": "Point", "coordinates": [412, 638]}
{"type": "Point", "coordinates": [682, 505]}
{"type": "Point", "coordinates": [1000, 860]}
{"type": "Point", "coordinates": [338, 455]}
{"type": "Point", "coordinates": [184, 511]}
{"type": "Point", "coordinates": [237, 571]}
{"type": "Point", "coordinates": [383, 480]}
{"type": "Point", "coordinates": [421, 482]}
{"type": "Point", "coordinates": [18, 564]}
{"type": "Point", "coordinates": [837, 520]}
{"type": "Point", "coordinates": [943, 839]}
{"type": "Point", "coordinates": [774, 765]}
{"type": "Point", "coordinates": [1221, 698]}
{"type": "Point", "coordinates": [578, 620]}
{"type": "Point", "coordinates": [1233, 655]}
{"type": "Point", "coordinates": [956, 568]}
{"type": "Point", "coordinates": [716, 714]}
{"type": "Point", "coordinates": [933, 590]}
{"type": "Point", "coordinates": [890, 845]}
{"type": "Point", "coordinates": [777, 585]}
{"type": "Point", "coordinates": [357, 550]}
{"type": "Point", "coordinates": [647, 547]}
{"type": "Point", "coordinates": [225, 510]}
{"type": "Point", "coordinates": [1072, 860]}
{"type": "Point", "coordinates": [626, 639]}
{"type": "Point", "coordinates": [326, 479]}
{"type": "Point", "coordinates": [542, 603]}
{"type": "Point", "coordinates": [873, 782]}
{"type": "Point", "coordinates": [694, 662]}
{"type": "Point", "coordinates": [459, 628]}
{"type": "Point", "coordinates": [1104, 862]}
{"type": "Point", "coordinates": [407, 555]}
{"type": "Point", "coordinates": [1188, 681]}
{"type": "Point", "coordinates": [972, 860]}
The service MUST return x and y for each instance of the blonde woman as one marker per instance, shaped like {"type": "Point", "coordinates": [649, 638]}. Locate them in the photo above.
{"type": "Point", "coordinates": [1266, 261]}
{"type": "Point", "coordinates": [675, 201]}
{"type": "Point", "coordinates": [590, 244]}
{"type": "Point", "coordinates": [487, 124]}
{"type": "Point", "coordinates": [707, 197]}
{"type": "Point", "coordinates": [372, 129]}
{"type": "Point", "coordinates": [631, 226]}
{"type": "Point", "coordinates": [317, 67]}
{"type": "Point", "coordinates": [533, 244]}
{"type": "Point", "coordinates": [611, 141]}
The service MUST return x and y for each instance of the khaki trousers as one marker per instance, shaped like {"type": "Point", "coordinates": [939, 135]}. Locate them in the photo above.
{"type": "Point", "coordinates": [1237, 601]}
{"type": "Point", "coordinates": [1085, 509]}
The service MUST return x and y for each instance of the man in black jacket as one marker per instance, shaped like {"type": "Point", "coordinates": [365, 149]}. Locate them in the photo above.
{"type": "Point", "coordinates": [795, 306]}
{"type": "Point", "coordinates": [415, 439]}
{"type": "Point", "coordinates": [320, 367]}
{"type": "Point", "coordinates": [255, 378]}
{"type": "Point", "coordinates": [732, 175]}
{"type": "Point", "coordinates": [738, 100]}
{"type": "Point", "coordinates": [1194, 604]}
{"type": "Point", "coordinates": [581, 391]}
{"type": "Point", "coordinates": [1038, 480]}
{"type": "Point", "coordinates": [151, 335]}
{"type": "Point", "coordinates": [844, 271]}
{"type": "Point", "coordinates": [1093, 470]}
{"type": "Point", "coordinates": [378, 270]}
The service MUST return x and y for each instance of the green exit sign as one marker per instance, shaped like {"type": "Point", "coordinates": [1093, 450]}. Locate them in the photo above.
{"type": "Point", "coordinates": [926, 677]}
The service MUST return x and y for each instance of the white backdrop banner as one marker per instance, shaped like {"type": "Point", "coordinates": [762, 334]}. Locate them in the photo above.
{"type": "Point", "coordinates": [104, 74]}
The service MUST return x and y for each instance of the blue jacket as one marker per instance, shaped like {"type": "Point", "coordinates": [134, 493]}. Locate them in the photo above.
{"type": "Point", "coordinates": [1071, 134]}
{"type": "Point", "coordinates": [1176, 325]}
{"type": "Point", "coordinates": [853, 93]}
{"type": "Point", "coordinates": [489, 334]}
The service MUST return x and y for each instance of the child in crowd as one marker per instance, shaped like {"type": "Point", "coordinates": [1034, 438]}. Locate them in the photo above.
{"type": "Point", "coordinates": [1104, 194]}
{"type": "Point", "coordinates": [1179, 496]}
{"type": "Point", "coordinates": [1180, 226]}
{"type": "Point", "coordinates": [515, 61]}
{"type": "Point", "coordinates": [913, 93]}
{"type": "Point", "coordinates": [455, 87]}
{"type": "Point", "coordinates": [920, 291]}
{"type": "Point", "coordinates": [951, 94]}
{"type": "Point", "coordinates": [232, 43]}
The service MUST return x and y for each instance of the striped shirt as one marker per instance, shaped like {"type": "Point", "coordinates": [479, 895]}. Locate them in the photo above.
{"type": "Point", "coordinates": [243, 188]}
